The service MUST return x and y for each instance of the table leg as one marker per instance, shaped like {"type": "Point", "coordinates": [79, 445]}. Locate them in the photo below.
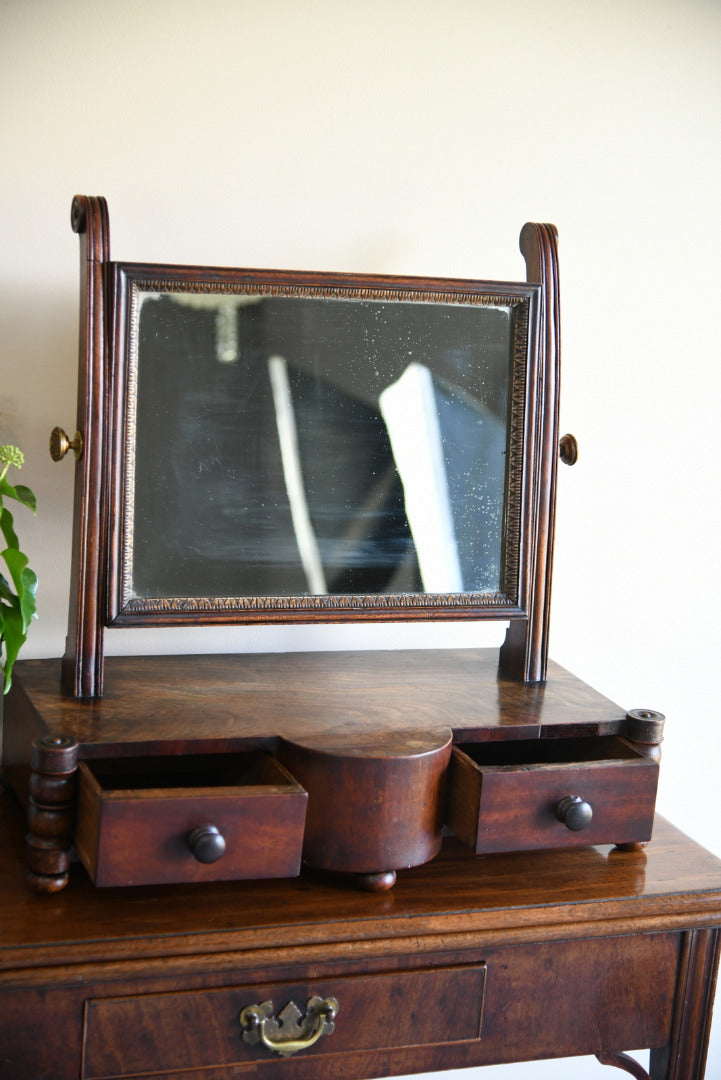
{"type": "Point", "coordinates": [685, 1056]}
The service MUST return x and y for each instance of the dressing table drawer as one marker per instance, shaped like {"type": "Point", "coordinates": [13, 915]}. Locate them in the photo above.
{"type": "Point", "coordinates": [194, 818]}
{"type": "Point", "coordinates": [169, 1033]}
{"type": "Point", "coordinates": [551, 793]}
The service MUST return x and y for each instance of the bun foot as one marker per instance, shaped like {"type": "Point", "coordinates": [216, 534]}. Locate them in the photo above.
{"type": "Point", "coordinates": [381, 882]}
{"type": "Point", "coordinates": [631, 846]}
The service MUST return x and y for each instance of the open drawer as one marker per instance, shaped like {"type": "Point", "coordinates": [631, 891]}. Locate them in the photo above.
{"type": "Point", "coordinates": [210, 817]}
{"type": "Point", "coordinates": [550, 793]}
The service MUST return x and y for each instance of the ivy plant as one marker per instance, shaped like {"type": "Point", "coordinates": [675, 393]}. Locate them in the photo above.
{"type": "Point", "coordinates": [18, 590]}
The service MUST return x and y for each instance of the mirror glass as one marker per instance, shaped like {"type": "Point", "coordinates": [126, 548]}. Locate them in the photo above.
{"type": "Point", "coordinates": [289, 447]}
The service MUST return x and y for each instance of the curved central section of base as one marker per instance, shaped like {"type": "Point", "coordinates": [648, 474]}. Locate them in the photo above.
{"type": "Point", "coordinates": [375, 800]}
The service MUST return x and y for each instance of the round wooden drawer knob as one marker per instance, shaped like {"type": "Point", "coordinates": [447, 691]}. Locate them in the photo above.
{"type": "Point", "coordinates": [574, 812]}
{"type": "Point", "coordinates": [207, 843]}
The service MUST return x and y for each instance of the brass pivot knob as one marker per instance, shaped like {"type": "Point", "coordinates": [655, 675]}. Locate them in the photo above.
{"type": "Point", "coordinates": [207, 843]}
{"type": "Point", "coordinates": [568, 449]}
{"type": "Point", "coordinates": [574, 812]}
{"type": "Point", "coordinates": [60, 444]}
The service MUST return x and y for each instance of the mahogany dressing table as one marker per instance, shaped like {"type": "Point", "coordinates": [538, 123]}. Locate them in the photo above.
{"type": "Point", "coordinates": [267, 445]}
{"type": "Point", "coordinates": [467, 961]}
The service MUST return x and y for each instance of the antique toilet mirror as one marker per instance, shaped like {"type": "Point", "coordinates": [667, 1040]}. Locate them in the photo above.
{"type": "Point", "coordinates": [297, 446]}
{"type": "Point", "coordinates": [269, 445]}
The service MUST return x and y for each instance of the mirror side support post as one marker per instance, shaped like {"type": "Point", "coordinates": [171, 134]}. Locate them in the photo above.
{"type": "Point", "coordinates": [82, 667]}
{"type": "Point", "coordinates": [524, 652]}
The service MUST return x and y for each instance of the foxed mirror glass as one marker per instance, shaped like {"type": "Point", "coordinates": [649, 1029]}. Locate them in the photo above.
{"type": "Point", "coordinates": [295, 446]}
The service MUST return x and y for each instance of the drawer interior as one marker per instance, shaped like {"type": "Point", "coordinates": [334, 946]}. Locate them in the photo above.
{"type": "Point", "coordinates": [191, 771]}
{"type": "Point", "coordinates": [527, 753]}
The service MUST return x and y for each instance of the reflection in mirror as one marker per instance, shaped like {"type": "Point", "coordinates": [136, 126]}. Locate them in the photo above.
{"type": "Point", "coordinates": [296, 445]}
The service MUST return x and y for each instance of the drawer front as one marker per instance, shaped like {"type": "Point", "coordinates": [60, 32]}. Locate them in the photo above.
{"type": "Point", "coordinates": [572, 998]}
{"type": "Point", "coordinates": [141, 834]}
{"type": "Point", "coordinates": [175, 1032]}
{"type": "Point", "coordinates": [496, 808]}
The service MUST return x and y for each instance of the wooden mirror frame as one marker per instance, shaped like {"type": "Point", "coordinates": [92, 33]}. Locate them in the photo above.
{"type": "Point", "coordinates": [131, 285]}
{"type": "Point", "coordinates": [95, 551]}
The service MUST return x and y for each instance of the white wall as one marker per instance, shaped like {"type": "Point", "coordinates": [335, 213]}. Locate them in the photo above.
{"type": "Point", "coordinates": [415, 137]}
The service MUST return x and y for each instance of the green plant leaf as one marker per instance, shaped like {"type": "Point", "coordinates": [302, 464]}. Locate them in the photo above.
{"type": "Point", "coordinates": [18, 594]}
{"type": "Point", "coordinates": [28, 595]}
{"type": "Point", "coordinates": [16, 563]}
{"type": "Point", "coordinates": [14, 638]}
{"type": "Point", "coordinates": [6, 592]}
{"type": "Point", "coordinates": [25, 582]}
{"type": "Point", "coordinates": [20, 493]}
{"type": "Point", "coordinates": [8, 530]}
{"type": "Point", "coordinates": [25, 496]}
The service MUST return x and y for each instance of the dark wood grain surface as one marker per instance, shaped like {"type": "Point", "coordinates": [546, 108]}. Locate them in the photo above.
{"type": "Point", "coordinates": [223, 701]}
{"type": "Point", "coordinates": [456, 894]}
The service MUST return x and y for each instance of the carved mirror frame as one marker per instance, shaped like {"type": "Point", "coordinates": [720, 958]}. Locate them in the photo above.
{"type": "Point", "coordinates": [99, 594]}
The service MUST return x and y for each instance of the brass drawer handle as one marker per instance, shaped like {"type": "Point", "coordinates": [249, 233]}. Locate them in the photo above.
{"type": "Point", "coordinates": [292, 1031]}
